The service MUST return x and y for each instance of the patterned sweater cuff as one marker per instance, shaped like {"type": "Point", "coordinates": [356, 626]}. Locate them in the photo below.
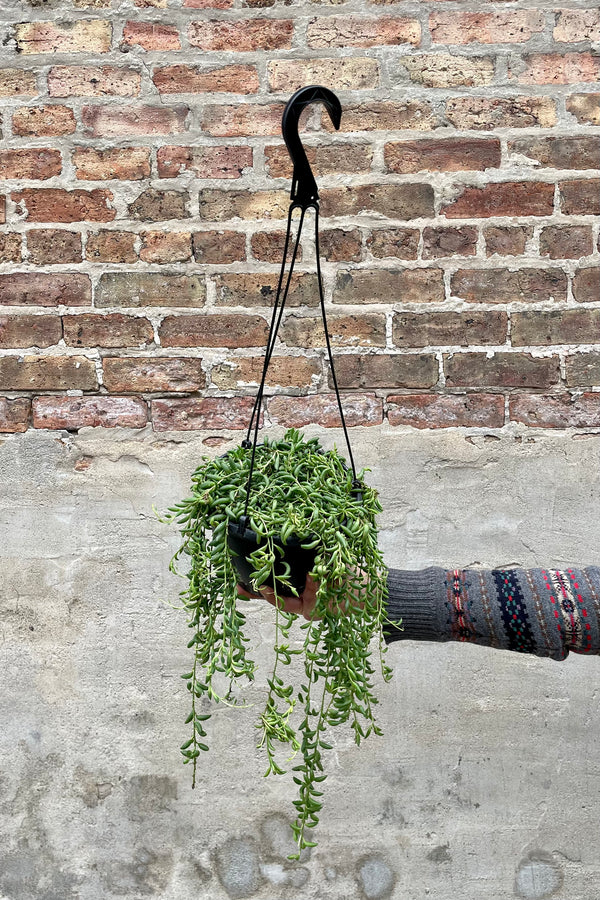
{"type": "Point", "coordinates": [413, 597]}
{"type": "Point", "coordinates": [543, 611]}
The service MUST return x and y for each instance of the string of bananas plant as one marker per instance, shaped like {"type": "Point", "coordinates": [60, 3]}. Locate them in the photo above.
{"type": "Point", "coordinates": [297, 489]}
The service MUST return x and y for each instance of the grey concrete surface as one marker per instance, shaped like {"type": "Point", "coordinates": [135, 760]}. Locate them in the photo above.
{"type": "Point", "coordinates": [485, 785]}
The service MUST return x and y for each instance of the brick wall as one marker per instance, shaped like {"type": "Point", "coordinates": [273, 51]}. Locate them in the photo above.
{"type": "Point", "coordinates": [144, 187]}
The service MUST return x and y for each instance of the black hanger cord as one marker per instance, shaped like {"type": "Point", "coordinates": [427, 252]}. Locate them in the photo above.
{"type": "Point", "coordinates": [355, 482]}
{"type": "Point", "coordinates": [304, 194]}
{"type": "Point", "coordinates": [273, 334]}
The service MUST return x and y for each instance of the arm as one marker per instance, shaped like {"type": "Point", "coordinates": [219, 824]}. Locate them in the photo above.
{"type": "Point", "coordinates": [544, 612]}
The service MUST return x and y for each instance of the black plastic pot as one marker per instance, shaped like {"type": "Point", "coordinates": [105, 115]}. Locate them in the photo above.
{"type": "Point", "coordinates": [243, 541]}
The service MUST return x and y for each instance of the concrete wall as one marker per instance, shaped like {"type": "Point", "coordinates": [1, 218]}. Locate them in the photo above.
{"type": "Point", "coordinates": [485, 785]}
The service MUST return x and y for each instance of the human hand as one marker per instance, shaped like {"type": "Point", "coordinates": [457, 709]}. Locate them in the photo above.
{"type": "Point", "coordinates": [304, 604]}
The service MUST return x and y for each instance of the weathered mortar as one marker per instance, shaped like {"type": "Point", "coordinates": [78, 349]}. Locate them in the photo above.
{"type": "Point", "coordinates": [486, 781]}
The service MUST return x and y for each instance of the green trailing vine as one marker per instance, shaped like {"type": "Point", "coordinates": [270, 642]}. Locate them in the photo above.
{"type": "Point", "coordinates": [297, 489]}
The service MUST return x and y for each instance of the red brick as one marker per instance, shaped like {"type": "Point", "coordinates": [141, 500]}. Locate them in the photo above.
{"type": "Point", "coordinates": [585, 108]}
{"type": "Point", "coordinates": [242, 36]}
{"type": "Point", "coordinates": [396, 201]}
{"type": "Point", "coordinates": [506, 240]}
{"type": "Point", "coordinates": [203, 414]}
{"type": "Point", "coordinates": [504, 286]}
{"type": "Point", "coordinates": [448, 155]}
{"type": "Point", "coordinates": [556, 410]}
{"type": "Point", "coordinates": [29, 331]}
{"type": "Point", "coordinates": [341, 245]}
{"type": "Point", "coordinates": [18, 83]}
{"type": "Point", "coordinates": [80, 36]}
{"type": "Point", "coordinates": [511, 27]}
{"type": "Point", "coordinates": [166, 246]}
{"type": "Point", "coordinates": [217, 206]}
{"type": "Point", "coordinates": [36, 163]}
{"type": "Point", "coordinates": [43, 121]}
{"type": "Point", "coordinates": [554, 68]}
{"type": "Point", "coordinates": [503, 369]}
{"type": "Point", "coordinates": [574, 25]}
{"type": "Point", "coordinates": [583, 369]}
{"type": "Point", "coordinates": [126, 163]}
{"type": "Point", "coordinates": [324, 159]}
{"type": "Point", "coordinates": [385, 370]}
{"type": "Point", "coordinates": [111, 246]}
{"type": "Point", "coordinates": [214, 331]}
{"type": "Point", "coordinates": [564, 242]}
{"type": "Point", "coordinates": [508, 198]}
{"type": "Point", "coordinates": [385, 115]}
{"type": "Point", "coordinates": [127, 121]}
{"type": "Point", "coordinates": [113, 330]}
{"type": "Point", "coordinates": [10, 247]}
{"type": "Point", "coordinates": [242, 120]}
{"type": "Point", "coordinates": [154, 205]}
{"type": "Point", "coordinates": [565, 326]}
{"type": "Point", "coordinates": [186, 79]}
{"type": "Point", "coordinates": [94, 81]}
{"type": "Point", "coordinates": [469, 112]}
{"type": "Point", "coordinates": [27, 289]}
{"type": "Point", "coordinates": [268, 246]}
{"type": "Point", "coordinates": [151, 36]}
{"type": "Point", "coordinates": [73, 413]}
{"type": "Point", "coordinates": [586, 284]}
{"type": "Point", "coordinates": [59, 205]}
{"type": "Point", "coordinates": [365, 330]}
{"type": "Point", "coordinates": [238, 373]}
{"type": "Point", "coordinates": [445, 70]}
{"type": "Point", "coordinates": [461, 329]}
{"type": "Point", "coordinates": [131, 375]}
{"type": "Point", "coordinates": [560, 152]}
{"type": "Point", "coordinates": [204, 162]}
{"type": "Point", "coordinates": [49, 246]}
{"type": "Point", "coordinates": [446, 410]}
{"type": "Point", "coordinates": [580, 197]}
{"type": "Point", "coordinates": [47, 373]}
{"type": "Point", "coordinates": [402, 243]}
{"type": "Point", "coordinates": [389, 286]}
{"type": "Point", "coordinates": [259, 288]}
{"type": "Point", "coordinates": [360, 31]}
{"type": "Point", "coordinates": [440, 242]}
{"type": "Point", "coordinates": [219, 247]}
{"type": "Point", "coordinates": [14, 415]}
{"type": "Point", "coordinates": [138, 289]}
{"type": "Point", "coordinates": [349, 73]}
{"type": "Point", "coordinates": [296, 412]}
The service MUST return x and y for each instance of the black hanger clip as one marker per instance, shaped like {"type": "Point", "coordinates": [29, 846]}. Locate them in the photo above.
{"type": "Point", "coordinates": [304, 187]}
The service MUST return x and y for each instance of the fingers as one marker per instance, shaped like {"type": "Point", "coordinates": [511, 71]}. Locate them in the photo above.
{"type": "Point", "coordinates": [242, 592]}
{"type": "Point", "coordinates": [305, 604]}
{"type": "Point", "coordinates": [310, 597]}
{"type": "Point", "coordinates": [287, 604]}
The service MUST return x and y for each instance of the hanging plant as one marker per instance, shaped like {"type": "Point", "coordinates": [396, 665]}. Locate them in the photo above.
{"type": "Point", "coordinates": [272, 514]}
{"type": "Point", "coordinates": [307, 515]}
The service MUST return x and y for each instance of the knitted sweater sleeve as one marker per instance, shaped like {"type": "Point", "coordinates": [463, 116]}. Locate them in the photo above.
{"type": "Point", "coordinates": [545, 612]}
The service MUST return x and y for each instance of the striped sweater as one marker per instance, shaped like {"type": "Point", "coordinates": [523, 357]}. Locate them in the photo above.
{"type": "Point", "coordinates": [545, 612]}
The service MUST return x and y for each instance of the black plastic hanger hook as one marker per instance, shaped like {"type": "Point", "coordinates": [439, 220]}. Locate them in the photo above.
{"type": "Point", "coordinates": [304, 187]}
